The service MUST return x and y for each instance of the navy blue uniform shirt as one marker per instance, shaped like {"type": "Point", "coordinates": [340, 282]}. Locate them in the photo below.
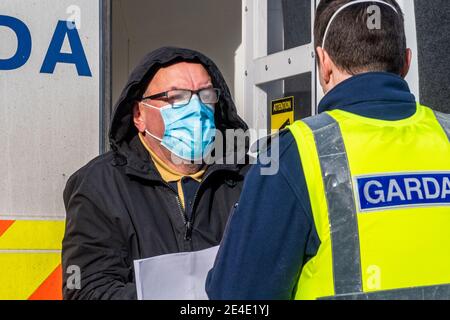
{"type": "Point", "coordinates": [271, 233]}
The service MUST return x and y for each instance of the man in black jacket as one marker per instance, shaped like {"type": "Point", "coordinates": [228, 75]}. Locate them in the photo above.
{"type": "Point", "coordinates": [152, 194]}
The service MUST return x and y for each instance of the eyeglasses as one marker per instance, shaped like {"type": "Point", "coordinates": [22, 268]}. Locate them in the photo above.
{"type": "Point", "coordinates": [181, 97]}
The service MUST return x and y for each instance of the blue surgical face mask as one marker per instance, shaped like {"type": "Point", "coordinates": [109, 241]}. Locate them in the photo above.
{"type": "Point", "coordinates": [189, 130]}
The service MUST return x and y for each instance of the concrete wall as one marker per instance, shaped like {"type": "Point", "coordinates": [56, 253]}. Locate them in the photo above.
{"type": "Point", "coordinates": [212, 27]}
{"type": "Point", "coordinates": [433, 36]}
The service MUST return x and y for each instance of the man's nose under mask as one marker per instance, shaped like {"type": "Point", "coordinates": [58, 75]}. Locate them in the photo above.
{"type": "Point", "coordinates": [189, 130]}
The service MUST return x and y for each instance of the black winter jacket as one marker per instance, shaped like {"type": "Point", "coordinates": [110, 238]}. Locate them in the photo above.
{"type": "Point", "coordinates": [119, 209]}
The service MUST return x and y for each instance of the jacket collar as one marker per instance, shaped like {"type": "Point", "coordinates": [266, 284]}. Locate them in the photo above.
{"type": "Point", "coordinates": [371, 94]}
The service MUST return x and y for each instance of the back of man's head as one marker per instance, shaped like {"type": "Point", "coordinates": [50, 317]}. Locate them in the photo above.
{"type": "Point", "coordinates": [356, 41]}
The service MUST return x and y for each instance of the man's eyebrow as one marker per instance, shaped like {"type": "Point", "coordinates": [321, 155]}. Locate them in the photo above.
{"type": "Point", "coordinates": [206, 86]}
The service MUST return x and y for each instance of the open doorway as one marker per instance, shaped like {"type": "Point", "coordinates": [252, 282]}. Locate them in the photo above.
{"type": "Point", "coordinates": [213, 27]}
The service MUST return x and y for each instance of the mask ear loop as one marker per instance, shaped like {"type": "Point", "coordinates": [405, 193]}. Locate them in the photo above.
{"type": "Point", "coordinates": [146, 131]}
{"type": "Point", "coordinates": [152, 135]}
{"type": "Point", "coordinates": [149, 106]}
{"type": "Point", "coordinates": [348, 5]}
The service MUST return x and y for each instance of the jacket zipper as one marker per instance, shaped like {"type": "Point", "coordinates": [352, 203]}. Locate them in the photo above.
{"type": "Point", "coordinates": [182, 212]}
{"type": "Point", "coordinates": [187, 223]}
{"type": "Point", "coordinates": [190, 222]}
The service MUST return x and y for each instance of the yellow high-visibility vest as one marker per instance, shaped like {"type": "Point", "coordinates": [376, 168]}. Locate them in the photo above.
{"type": "Point", "coordinates": [380, 198]}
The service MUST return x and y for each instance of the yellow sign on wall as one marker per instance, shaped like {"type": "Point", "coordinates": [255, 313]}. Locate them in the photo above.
{"type": "Point", "coordinates": [282, 113]}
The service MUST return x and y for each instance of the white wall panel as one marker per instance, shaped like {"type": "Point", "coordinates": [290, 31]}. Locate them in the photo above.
{"type": "Point", "coordinates": [49, 123]}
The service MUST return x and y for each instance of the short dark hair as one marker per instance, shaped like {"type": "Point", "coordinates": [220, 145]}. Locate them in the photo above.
{"type": "Point", "coordinates": [353, 46]}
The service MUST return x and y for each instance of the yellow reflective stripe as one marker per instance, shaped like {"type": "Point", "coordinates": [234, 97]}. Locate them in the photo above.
{"type": "Point", "coordinates": [33, 235]}
{"type": "Point", "coordinates": [400, 247]}
{"type": "Point", "coordinates": [22, 273]}
{"type": "Point", "coordinates": [316, 278]}
{"type": "Point", "coordinates": [357, 120]}
{"type": "Point", "coordinates": [311, 166]}
{"type": "Point", "coordinates": [29, 254]}
{"type": "Point", "coordinates": [341, 204]}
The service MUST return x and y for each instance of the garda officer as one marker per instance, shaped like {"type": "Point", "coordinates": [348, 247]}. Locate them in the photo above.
{"type": "Point", "coordinates": [360, 207]}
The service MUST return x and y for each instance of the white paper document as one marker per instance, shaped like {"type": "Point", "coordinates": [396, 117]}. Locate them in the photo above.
{"type": "Point", "coordinates": [178, 276]}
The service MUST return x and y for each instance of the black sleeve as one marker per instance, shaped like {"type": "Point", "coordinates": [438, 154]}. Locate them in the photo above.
{"type": "Point", "coordinates": [94, 245]}
{"type": "Point", "coordinates": [269, 235]}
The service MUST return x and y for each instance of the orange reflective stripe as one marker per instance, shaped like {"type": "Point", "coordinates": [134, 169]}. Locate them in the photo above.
{"type": "Point", "coordinates": [4, 225]}
{"type": "Point", "coordinates": [30, 259]}
{"type": "Point", "coordinates": [33, 235]}
{"type": "Point", "coordinates": [51, 288]}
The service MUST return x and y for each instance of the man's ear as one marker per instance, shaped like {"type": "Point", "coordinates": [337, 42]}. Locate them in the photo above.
{"type": "Point", "coordinates": [325, 67]}
{"type": "Point", "coordinates": [407, 65]}
{"type": "Point", "coordinates": [138, 118]}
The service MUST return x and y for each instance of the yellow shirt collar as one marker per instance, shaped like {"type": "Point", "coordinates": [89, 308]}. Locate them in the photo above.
{"type": "Point", "coordinates": [167, 173]}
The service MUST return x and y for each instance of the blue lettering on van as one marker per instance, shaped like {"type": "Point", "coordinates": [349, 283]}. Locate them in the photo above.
{"type": "Point", "coordinates": [54, 55]}
{"type": "Point", "coordinates": [403, 190]}
{"type": "Point", "coordinates": [76, 57]}
{"type": "Point", "coordinates": [23, 51]}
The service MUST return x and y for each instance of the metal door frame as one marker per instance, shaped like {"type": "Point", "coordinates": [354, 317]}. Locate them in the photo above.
{"type": "Point", "coordinates": [261, 68]}
{"type": "Point", "coordinates": [105, 74]}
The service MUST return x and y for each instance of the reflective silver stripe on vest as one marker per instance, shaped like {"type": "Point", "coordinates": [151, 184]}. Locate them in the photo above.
{"type": "Point", "coordinates": [422, 293]}
{"type": "Point", "coordinates": [444, 121]}
{"type": "Point", "coordinates": [341, 204]}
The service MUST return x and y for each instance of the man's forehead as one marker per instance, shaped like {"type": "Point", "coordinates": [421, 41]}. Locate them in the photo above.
{"type": "Point", "coordinates": [182, 70]}
{"type": "Point", "coordinates": [181, 73]}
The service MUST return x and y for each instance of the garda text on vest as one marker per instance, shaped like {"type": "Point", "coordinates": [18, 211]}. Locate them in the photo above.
{"type": "Point", "coordinates": [383, 192]}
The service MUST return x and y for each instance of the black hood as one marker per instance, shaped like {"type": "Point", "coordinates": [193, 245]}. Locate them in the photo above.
{"type": "Point", "coordinates": [122, 129]}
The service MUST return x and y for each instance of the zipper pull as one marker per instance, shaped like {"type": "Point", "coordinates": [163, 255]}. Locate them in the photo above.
{"type": "Point", "coordinates": [188, 234]}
